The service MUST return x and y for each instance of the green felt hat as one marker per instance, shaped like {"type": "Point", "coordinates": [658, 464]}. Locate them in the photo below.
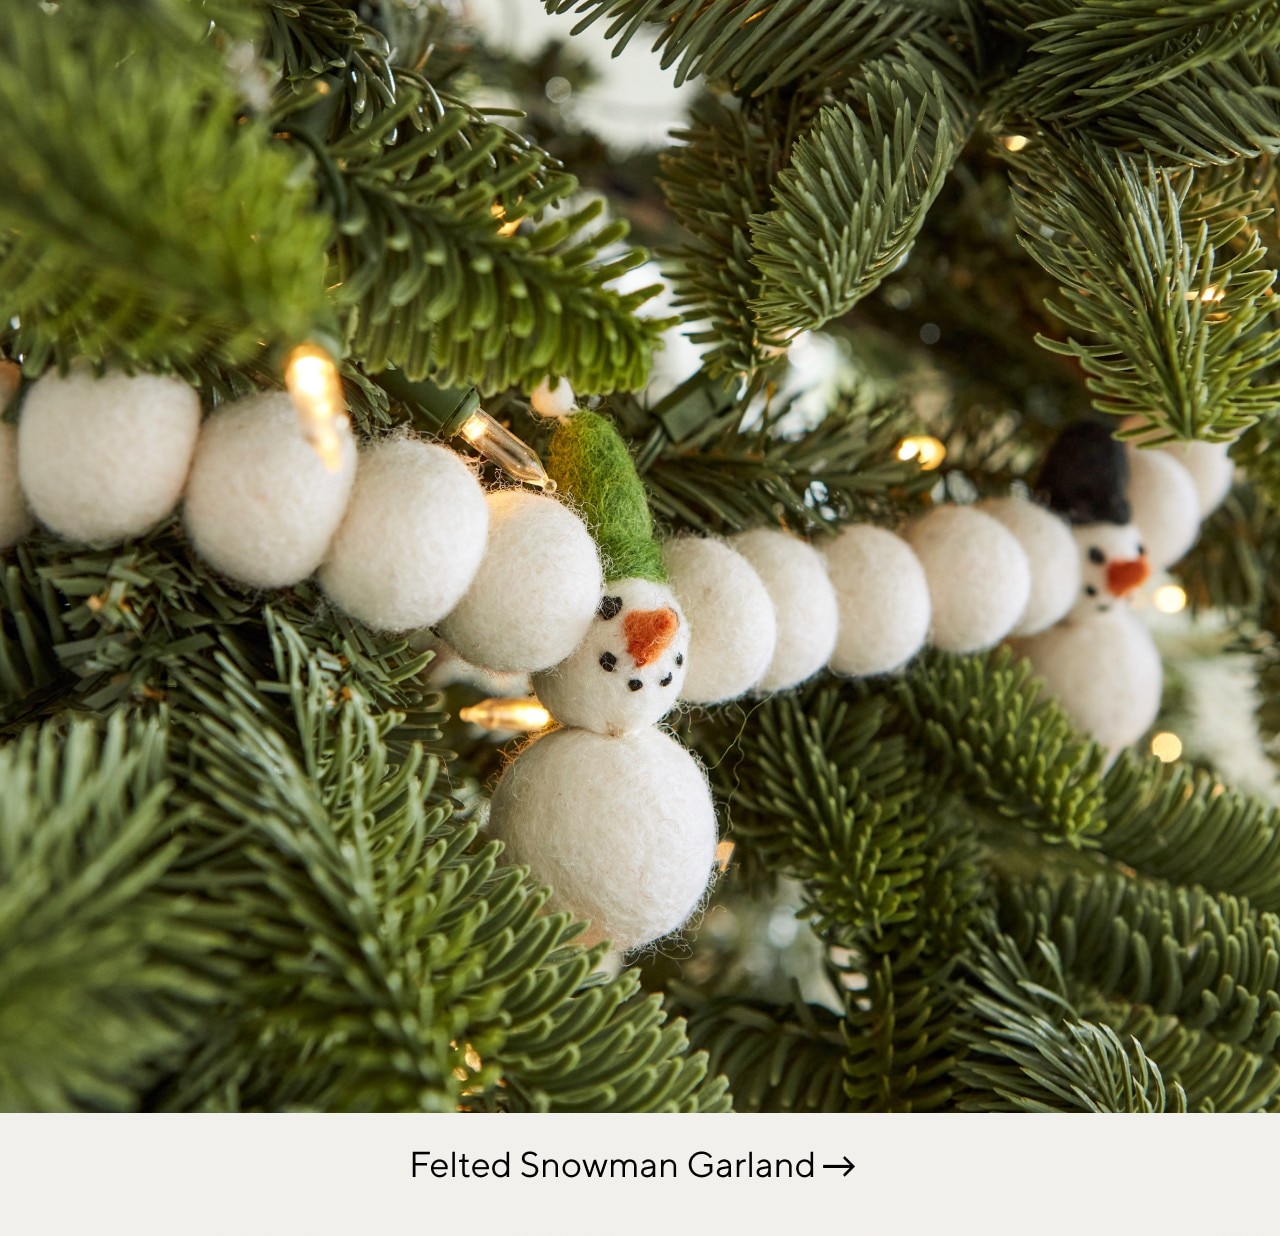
{"type": "Point", "coordinates": [593, 469]}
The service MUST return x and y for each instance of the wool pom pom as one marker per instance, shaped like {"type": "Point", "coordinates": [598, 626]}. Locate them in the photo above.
{"type": "Point", "coordinates": [1105, 672]}
{"type": "Point", "coordinates": [412, 537]}
{"type": "Point", "coordinates": [554, 400]}
{"type": "Point", "coordinates": [732, 629]}
{"type": "Point", "coordinates": [591, 465]}
{"type": "Point", "coordinates": [623, 830]}
{"type": "Point", "coordinates": [1211, 469]}
{"type": "Point", "coordinates": [1166, 507]}
{"type": "Point", "coordinates": [537, 588]}
{"type": "Point", "coordinates": [261, 507]}
{"type": "Point", "coordinates": [979, 578]}
{"type": "Point", "coordinates": [15, 517]}
{"type": "Point", "coordinates": [882, 598]}
{"type": "Point", "coordinates": [105, 459]}
{"type": "Point", "coordinates": [804, 603]}
{"type": "Point", "coordinates": [627, 672]}
{"type": "Point", "coordinates": [1051, 554]}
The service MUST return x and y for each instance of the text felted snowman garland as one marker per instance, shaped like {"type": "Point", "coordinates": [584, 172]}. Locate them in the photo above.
{"type": "Point", "coordinates": [609, 810]}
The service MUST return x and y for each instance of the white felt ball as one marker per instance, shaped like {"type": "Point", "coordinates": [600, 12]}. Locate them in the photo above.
{"type": "Point", "coordinates": [104, 459]}
{"type": "Point", "coordinates": [732, 629]}
{"type": "Point", "coordinates": [804, 603]}
{"type": "Point", "coordinates": [412, 537]}
{"type": "Point", "coordinates": [1166, 507]}
{"type": "Point", "coordinates": [537, 588]}
{"type": "Point", "coordinates": [1210, 467]}
{"type": "Point", "coordinates": [1105, 672]}
{"type": "Point", "coordinates": [261, 506]}
{"type": "Point", "coordinates": [882, 599]}
{"type": "Point", "coordinates": [979, 577]}
{"type": "Point", "coordinates": [623, 830]}
{"type": "Point", "coordinates": [1051, 554]}
{"type": "Point", "coordinates": [15, 516]}
{"type": "Point", "coordinates": [627, 672]}
{"type": "Point", "coordinates": [553, 399]}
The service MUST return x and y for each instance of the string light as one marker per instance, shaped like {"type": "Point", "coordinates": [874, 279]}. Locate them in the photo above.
{"type": "Point", "coordinates": [1015, 142]}
{"type": "Point", "coordinates": [513, 716]}
{"type": "Point", "coordinates": [724, 854]}
{"type": "Point", "coordinates": [316, 391]}
{"type": "Point", "coordinates": [1170, 599]}
{"type": "Point", "coordinates": [510, 226]}
{"type": "Point", "coordinates": [925, 449]}
{"type": "Point", "coordinates": [1166, 747]}
{"type": "Point", "coordinates": [499, 445]}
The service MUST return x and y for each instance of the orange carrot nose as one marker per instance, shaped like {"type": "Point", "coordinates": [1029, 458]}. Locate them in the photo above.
{"type": "Point", "coordinates": [649, 632]}
{"type": "Point", "coordinates": [1126, 575]}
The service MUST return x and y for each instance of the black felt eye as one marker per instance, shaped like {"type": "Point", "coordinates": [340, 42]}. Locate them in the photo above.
{"type": "Point", "coordinates": [1090, 590]}
{"type": "Point", "coordinates": [607, 662]}
{"type": "Point", "coordinates": [679, 659]}
{"type": "Point", "coordinates": [1096, 555]}
{"type": "Point", "coordinates": [665, 682]}
{"type": "Point", "coordinates": [634, 684]}
{"type": "Point", "coordinates": [1142, 551]}
{"type": "Point", "coordinates": [609, 607]}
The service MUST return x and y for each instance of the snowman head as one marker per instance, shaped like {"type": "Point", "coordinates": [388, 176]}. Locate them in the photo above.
{"type": "Point", "coordinates": [1113, 565]}
{"type": "Point", "coordinates": [627, 672]}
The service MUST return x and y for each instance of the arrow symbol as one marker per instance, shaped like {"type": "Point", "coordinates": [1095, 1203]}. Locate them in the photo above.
{"type": "Point", "coordinates": [847, 1166]}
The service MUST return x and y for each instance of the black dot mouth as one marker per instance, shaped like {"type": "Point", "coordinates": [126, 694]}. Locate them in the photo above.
{"type": "Point", "coordinates": [679, 659]}
{"type": "Point", "coordinates": [665, 682]}
{"type": "Point", "coordinates": [607, 662]}
{"type": "Point", "coordinates": [1090, 590]}
{"type": "Point", "coordinates": [634, 684]}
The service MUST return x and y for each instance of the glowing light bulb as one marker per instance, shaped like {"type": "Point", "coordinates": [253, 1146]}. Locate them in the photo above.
{"type": "Point", "coordinates": [1166, 747]}
{"type": "Point", "coordinates": [1015, 142]}
{"type": "Point", "coordinates": [316, 391]}
{"type": "Point", "coordinates": [1170, 599]}
{"type": "Point", "coordinates": [724, 854]}
{"type": "Point", "coordinates": [925, 449]}
{"type": "Point", "coordinates": [499, 445]}
{"type": "Point", "coordinates": [509, 715]}
{"type": "Point", "coordinates": [510, 226]}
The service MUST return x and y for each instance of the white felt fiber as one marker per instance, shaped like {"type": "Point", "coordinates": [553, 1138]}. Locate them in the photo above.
{"type": "Point", "coordinates": [804, 603]}
{"type": "Point", "coordinates": [1105, 672]}
{"type": "Point", "coordinates": [627, 672]}
{"type": "Point", "coordinates": [732, 629]}
{"type": "Point", "coordinates": [623, 830]}
{"type": "Point", "coordinates": [261, 507]}
{"type": "Point", "coordinates": [979, 578]}
{"type": "Point", "coordinates": [104, 459]}
{"type": "Point", "coordinates": [882, 598]}
{"type": "Point", "coordinates": [552, 399]}
{"type": "Point", "coordinates": [537, 588]}
{"type": "Point", "coordinates": [15, 516]}
{"type": "Point", "coordinates": [412, 537]}
{"type": "Point", "coordinates": [1211, 470]}
{"type": "Point", "coordinates": [1051, 554]}
{"type": "Point", "coordinates": [1166, 507]}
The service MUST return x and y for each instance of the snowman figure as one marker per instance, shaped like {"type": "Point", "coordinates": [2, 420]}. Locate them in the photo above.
{"type": "Point", "coordinates": [1100, 663]}
{"type": "Point", "coordinates": [610, 811]}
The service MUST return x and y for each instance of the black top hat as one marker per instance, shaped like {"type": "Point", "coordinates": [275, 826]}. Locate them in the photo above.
{"type": "Point", "coordinates": [1085, 476]}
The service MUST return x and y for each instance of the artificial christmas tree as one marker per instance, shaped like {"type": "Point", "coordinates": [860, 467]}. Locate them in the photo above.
{"type": "Point", "coordinates": [243, 852]}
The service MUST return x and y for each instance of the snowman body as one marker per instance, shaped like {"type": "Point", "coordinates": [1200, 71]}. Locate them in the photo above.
{"type": "Point", "coordinates": [611, 811]}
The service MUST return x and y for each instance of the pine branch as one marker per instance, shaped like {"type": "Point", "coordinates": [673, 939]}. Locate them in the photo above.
{"type": "Point", "coordinates": [1184, 826]}
{"type": "Point", "coordinates": [985, 722]}
{"type": "Point", "coordinates": [1162, 285]}
{"type": "Point", "coordinates": [1030, 1049]}
{"type": "Point", "coordinates": [1208, 960]}
{"type": "Point", "coordinates": [429, 283]}
{"type": "Point", "coordinates": [755, 46]}
{"type": "Point", "coordinates": [104, 974]}
{"type": "Point", "coordinates": [786, 1058]}
{"type": "Point", "coordinates": [118, 172]}
{"type": "Point", "coordinates": [849, 206]}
